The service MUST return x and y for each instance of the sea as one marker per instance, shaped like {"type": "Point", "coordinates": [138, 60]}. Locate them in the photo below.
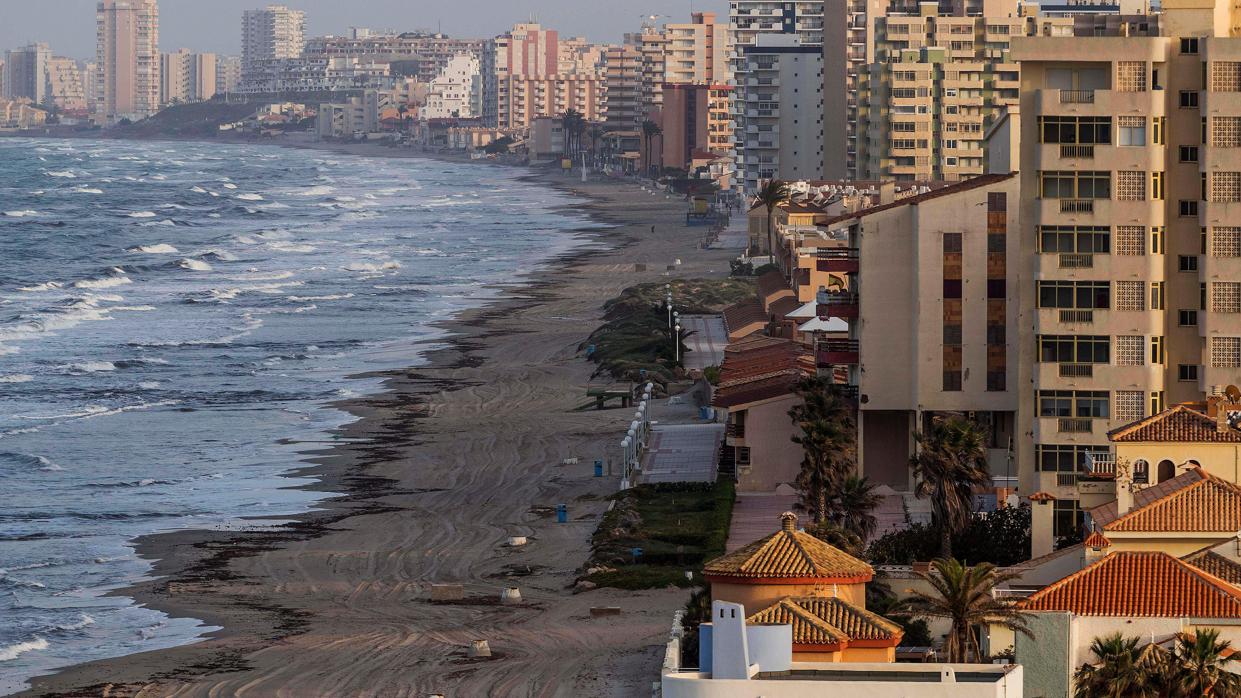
{"type": "Point", "coordinates": [176, 321]}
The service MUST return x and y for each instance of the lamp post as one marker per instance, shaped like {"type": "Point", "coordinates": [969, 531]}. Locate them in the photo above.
{"type": "Point", "coordinates": [676, 341]}
{"type": "Point", "coordinates": [625, 450]}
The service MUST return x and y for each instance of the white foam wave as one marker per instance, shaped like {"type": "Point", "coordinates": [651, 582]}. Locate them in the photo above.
{"type": "Point", "coordinates": [161, 248]}
{"type": "Point", "coordinates": [91, 367]}
{"type": "Point", "coordinates": [198, 190]}
{"type": "Point", "coordinates": [290, 247]}
{"type": "Point", "coordinates": [249, 197]}
{"type": "Point", "coordinates": [88, 190]}
{"type": "Point", "coordinates": [372, 268]}
{"type": "Point", "coordinates": [16, 378]}
{"type": "Point", "coordinates": [106, 282]}
{"type": "Point", "coordinates": [300, 299]}
{"type": "Point", "coordinates": [166, 223]}
{"type": "Point", "coordinates": [46, 286]}
{"type": "Point", "coordinates": [21, 214]}
{"type": "Point", "coordinates": [230, 185]}
{"type": "Point", "coordinates": [11, 652]}
{"type": "Point", "coordinates": [83, 622]}
{"type": "Point", "coordinates": [142, 214]}
{"type": "Point", "coordinates": [133, 308]}
{"type": "Point", "coordinates": [317, 191]}
{"type": "Point", "coordinates": [63, 174]}
{"type": "Point", "coordinates": [194, 265]}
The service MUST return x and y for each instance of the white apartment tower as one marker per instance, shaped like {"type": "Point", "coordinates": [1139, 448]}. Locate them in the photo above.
{"type": "Point", "coordinates": [127, 59]}
{"type": "Point", "coordinates": [187, 77]}
{"type": "Point", "coordinates": [271, 33]}
{"type": "Point", "coordinates": [457, 91]}
{"type": "Point", "coordinates": [25, 73]}
{"type": "Point", "coordinates": [782, 110]}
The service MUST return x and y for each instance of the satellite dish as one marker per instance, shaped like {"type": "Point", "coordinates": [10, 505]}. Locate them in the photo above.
{"type": "Point", "coordinates": [1233, 393]}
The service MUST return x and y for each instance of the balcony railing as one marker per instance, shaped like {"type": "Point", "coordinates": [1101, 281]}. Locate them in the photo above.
{"type": "Point", "coordinates": [838, 252]}
{"type": "Point", "coordinates": [838, 345]}
{"type": "Point", "coordinates": [1076, 316]}
{"type": "Point", "coordinates": [1077, 152]}
{"type": "Point", "coordinates": [1066, 479]}
{"type": "Point", "coordinates": [1075, 425]}
{"type": "Point", "coordinates": [1077, 96]}
{"type": "Point", "coordinates": [848, 392]}
{"type": "Point", "coordinates": [735, 430]}
{"type": "Point", "coordinates": [1076, 205]}
{"type": "Point", "coordinates": [836, 298]}
{"type": "Point", "coordinates": [1076, 370]}
{"type": "Point", "coordinates": [1076, 261]}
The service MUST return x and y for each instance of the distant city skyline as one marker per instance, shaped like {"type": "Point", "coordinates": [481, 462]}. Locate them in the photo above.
{"type": "Point", "coordinates": [215, 26]}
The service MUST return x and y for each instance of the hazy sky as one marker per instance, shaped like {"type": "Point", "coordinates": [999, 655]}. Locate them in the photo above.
{"type": "Point", "coordinates": [213, 25]}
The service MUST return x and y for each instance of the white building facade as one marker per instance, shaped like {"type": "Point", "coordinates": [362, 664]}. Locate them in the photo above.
{"type": "Point", "coordinates": [457, 91]}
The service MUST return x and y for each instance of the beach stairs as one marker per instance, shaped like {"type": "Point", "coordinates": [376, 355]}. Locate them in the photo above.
{"type": "Point", "coordinates": [727, 469]}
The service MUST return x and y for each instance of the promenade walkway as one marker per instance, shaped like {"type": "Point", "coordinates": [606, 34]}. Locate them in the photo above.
{"type": "Point", "coordinates": [683, 453]}
{"type": "Point", "coordinates": [706, 345]}
{"type": "Point", "coordinates": [757, 515]}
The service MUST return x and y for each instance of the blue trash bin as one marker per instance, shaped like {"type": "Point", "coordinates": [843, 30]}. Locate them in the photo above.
{"type": "Point", "coordinates": [598, 468]}
{"type": "Point", "coordinates": [562, 513]}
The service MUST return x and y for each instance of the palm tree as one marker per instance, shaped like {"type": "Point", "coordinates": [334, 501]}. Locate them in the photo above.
{"type": "Point", "coordinates": [595, 133]}
{"type": "Point", "coordinates": [950, 463]}
{"type": "Point", "coordinates": [855, 506]}
{"type": "Point", "coordinates": [771, 194]}
{"type": "Point", "coordinates": [571, 122]}
{"type": "Point", "coordinates": [838, 537]}
{"type": "Point", "coordinates": [1120, 672]}
{"type": "Point", "coordinates": [826, 435]}
{"type": "Point", "coordinates": [1202, 661]}
{"type": "Point", "coordinates": [650, 130]}
{"type": "Point", "coordinates": [962, 595]}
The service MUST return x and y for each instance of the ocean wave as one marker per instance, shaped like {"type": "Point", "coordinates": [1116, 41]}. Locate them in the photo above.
{"type": "Point", "coordinates": [194, 265]}
{"type": "Point", "coordinates": [290, 247]}
{"type": "Point", "coordinates": [21, 214]}
{"type": "Point", "coordinates": [142, 214]}
{"type": "Point", "coordinates": [106, 282]}
{"type": "Point", "coordinates": [317, 191]}
{"type": "Point", "coordinates": [87, 190]}
{"type": "Point", "coordinates": [249, 197]}
{"type": "Point", "coordinates": [11, 652]}
{"type": "Point", "coordinates": [83, 622]}
{"type": "Point", "coordinates": [32, 461]}
{"type": "Point", "coordinates": [372, 268]}
{"type": "Point", "coordinates": [300, 299]}
{"type": "Point", "coordinates": [230, 185]}
{"type": "Point", "coordinates": [63, 174]}
{"type": "Point", "coordinates": [166, 223]}
{"type": "Point", "coordinates": [45, 286]}
{"type": "Point", "coordinates": [198, 190]}
{"type": "Point", "coordinates": [16, 378]}
{"type": "Point", "coordinates": [91, 367]}
{"type": "Point", "coordinates": [217, 255]}
{"type": "Point", "coordinates": [161, 248]}
{"type": "Point", "coordinates": [132, 308]}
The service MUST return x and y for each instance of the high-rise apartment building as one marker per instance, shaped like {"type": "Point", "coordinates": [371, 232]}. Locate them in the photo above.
{"type": "Point", "coordinates": [526, 74]}
{"type": "Point", "coordinates": [651, 44]}
{"type": "Point", "coordinates": [25, 73]}
{"type": "Point", "coordinates": [801, 25]}
{"type": "Point", "coordinates": [1130, 160]}
{"type": "Point", "coordinates": [418, 54]}
{"type": "Point", "coordinates": [622, 97]}
{"type": "Point", "coordinates": [272, 33]}
{"type": "Point", "coordinates": [66, 84]}
{"type": "Point", "coordinates": [781, 105]}
{"type": "Point", "coordinates": [457, 91]}
{"type": "Point", "coordinates": [187, 77]}
{"type": "Point", "coordinates": [697, 52]}
{"type": "Point", "coordinates": [127, 59]}
{"type": "Point", "coordinates": [227, 74]}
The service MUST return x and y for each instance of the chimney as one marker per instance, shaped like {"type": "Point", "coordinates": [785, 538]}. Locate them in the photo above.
{"type": "Point", "coordinates": [788, 522]}
{"type": "Point", "coordinates": [1215, 409]}
{"type": "Point", "coordinates": [1124, 492]}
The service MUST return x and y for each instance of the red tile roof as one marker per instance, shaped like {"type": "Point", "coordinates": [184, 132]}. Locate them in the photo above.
{"type": "Point", "coordinates": [1042, 497]}
{"type": "Point", "coordinates": [783, 306]}
{"type": "Point", "coordinates": [771, 284]}
{"type": "Point", "coordinates": [760, 368]}
{"type": "Point", "coordinates": [740, 315]}
{"type": "Point", "coordinates": [1195, 501]}
{"type": "Point", "coordinates": [1143, 584]}
{"type": "Point", "coordinates": [1097, 540]}
{"type": "Point", "coordinates": [829, 621]}
{"type": "Point", "coordinates": [1215, 564]}
{"type": "Point", "coordinates": [1179, 423]}
{"type": "Point", "coordinates": [790, 555]}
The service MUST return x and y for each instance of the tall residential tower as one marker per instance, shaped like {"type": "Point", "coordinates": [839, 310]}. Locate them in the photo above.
{"type": "Point", "coordinates": [127, 59]}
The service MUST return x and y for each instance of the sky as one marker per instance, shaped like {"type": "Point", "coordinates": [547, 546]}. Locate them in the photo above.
{"type": "Point", "coordinates": [214, 25]}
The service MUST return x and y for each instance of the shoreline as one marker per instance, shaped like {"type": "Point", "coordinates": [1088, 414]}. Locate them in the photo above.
{"type": "Point", "coordinates": [276, 594]}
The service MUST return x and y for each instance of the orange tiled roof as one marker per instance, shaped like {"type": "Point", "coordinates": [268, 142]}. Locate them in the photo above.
{"type": "Point", "coordinates": [828, 621]}
{"type": "Point", "coordinates": [789, 554]}
{"type": "Point", "coordinates": [1105, 514]}
{"type": "Point", "coordinates": [772, 283]}
{"type": "Point", "coordinates": [1207, 505]}
{"type": "Point", "coordinates": [1042, 497]}
{"type": "Point", "coordinates": [746, 312]}
{"type": "Point", "coordinates": [1215, 564]}
{"type": "Point", "coordinates": [1097, 540]}
{"type": "Point", "coordinates": [1179, 423]}
{"type": "Point", "coordinates": [760, 368]}
{"type": "Point", "coordinates": [783, 306]}
{"type": "Point", "coordinates": [1146, 584]}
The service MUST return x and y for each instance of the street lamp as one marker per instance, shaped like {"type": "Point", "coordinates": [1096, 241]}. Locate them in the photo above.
{"type": "Point", "coordinates": [676, 341]}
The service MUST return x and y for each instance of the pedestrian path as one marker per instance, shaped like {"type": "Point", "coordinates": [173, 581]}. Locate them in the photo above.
{"type": "Point", "coordinates": [683, 453]}
{"type": "Point", "coordinates": [706, 344]}
{"type": "Point", "coordinates": [757, 515]}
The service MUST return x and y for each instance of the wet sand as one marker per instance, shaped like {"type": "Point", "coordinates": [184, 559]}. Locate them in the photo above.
{"type": "Point", "coordinates": [438, 471]}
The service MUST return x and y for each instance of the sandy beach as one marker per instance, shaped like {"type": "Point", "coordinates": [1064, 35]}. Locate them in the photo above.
{"type": "Point", "coordinates": [435, 474]}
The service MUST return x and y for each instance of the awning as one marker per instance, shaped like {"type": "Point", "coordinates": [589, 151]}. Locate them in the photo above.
{"type": "Point", "coordinates": [820, 325]}
{"type": "Point", "coordinates": [805, 312]}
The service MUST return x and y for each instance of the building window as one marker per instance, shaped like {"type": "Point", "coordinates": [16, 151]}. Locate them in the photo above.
{"type": "Point", "coordinates": [1188, 153]}
{"type": "Point", "coordinates": [1130, 350]}
{"type": "Point", "coordinates": [1187, 262]}
{"type": "Point", "coordinates": [1064, 458]}
{"type": "Point", "coordinates": [1130, 295]}
{"type": "Point", "coordinates": [1130, 240]}
{"type": "Point", "coordinates": [1131, 76]}
{"type": "Point", "coordinates": [1187, 372]}
{"type": "Point", "coordinates": [1156, 401]}
{"type": "Point", "coordinates": [1189, 45]}
{"type": "Point", "coordinates": [1074, 239]}
{"type": "Point", "coordinates": [1158, 356]}
{"type": "Point", "coordinates": [1157, 234]}
{"type": "Point", "coordinates": [1226, 352]}
{"type": "Point", "coordinates": [1189, 99]}
{"type": "Point", "coordinates": [1226, 131]}
{"type": "Point", "coordinates": [1225, 76]}
{"type": "Point", "coordinates": [1074, 295]}
{"type": "Point", "coordinates": [1067, 519]}
{"type": "Point", "coordinates": [1226, 297]}
{"type": "Point", "coordinates": [1187, 208]}
{"type": "Point", "coordinates": [1130, 185]}
{"type": "Point", "coordinates": [1159, 132]}
{"type": "Point", "coordinates": [1074, 349]}
{"type": "Point", "coordinates": [1131, 130]}
{"type": "Point", "coordinates": [1129, 405]}
{"type": "Point", "coordinates": [1157, 186]}
{"type": "Point", "coordinates": [1187, 318]}
{"type": "Point", "coordinates": [1086, 130]}
{"type": "Point", "coordinates": [1157, 295]}
{"type": "Point", "coordinates": [1065, 184]}
{"type": "Point", "coordinates": [1226, 187]}
{"type": "Point", "coordinates": [1082, 404]}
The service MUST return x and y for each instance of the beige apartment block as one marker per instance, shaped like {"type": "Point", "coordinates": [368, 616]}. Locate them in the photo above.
{"type": "Point", "coordinates": [622, 97]}
{"type": "Point", "coordinates": [186, 76]}
{"type": "Point", "coordinates": [127, 59]}
{"type": "Point", "coordinates": [1131, 192]}
{"type": "Point", "coordinates": [696, 53]}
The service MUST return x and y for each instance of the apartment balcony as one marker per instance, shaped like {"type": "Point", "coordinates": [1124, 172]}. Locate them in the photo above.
{"type": "Point", "coordinates": [832, 352]}
{"type": "Point", "coordinates": [839, 304]}
{"type": "Point", "coordinates": [734, 434]}
{"type": "Point", "coordinates": [1052, 102]}
{"type": "Point", "coordinates": [842, 260]}
{"type": "Point", "coordinates": [1076, 152]}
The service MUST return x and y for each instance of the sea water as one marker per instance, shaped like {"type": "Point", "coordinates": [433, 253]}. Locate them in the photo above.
{"type": "Point", "coordinates": [175, 320]}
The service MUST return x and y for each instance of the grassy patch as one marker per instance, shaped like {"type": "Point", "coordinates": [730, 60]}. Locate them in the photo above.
{"type": "Point", "coordinates": [635, 335]}
{"type": "Point", "coordinates": [678, 526]}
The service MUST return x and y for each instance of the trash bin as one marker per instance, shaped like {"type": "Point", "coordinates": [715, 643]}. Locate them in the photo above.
{"type": "Point", "coordinates": [562, 513]}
